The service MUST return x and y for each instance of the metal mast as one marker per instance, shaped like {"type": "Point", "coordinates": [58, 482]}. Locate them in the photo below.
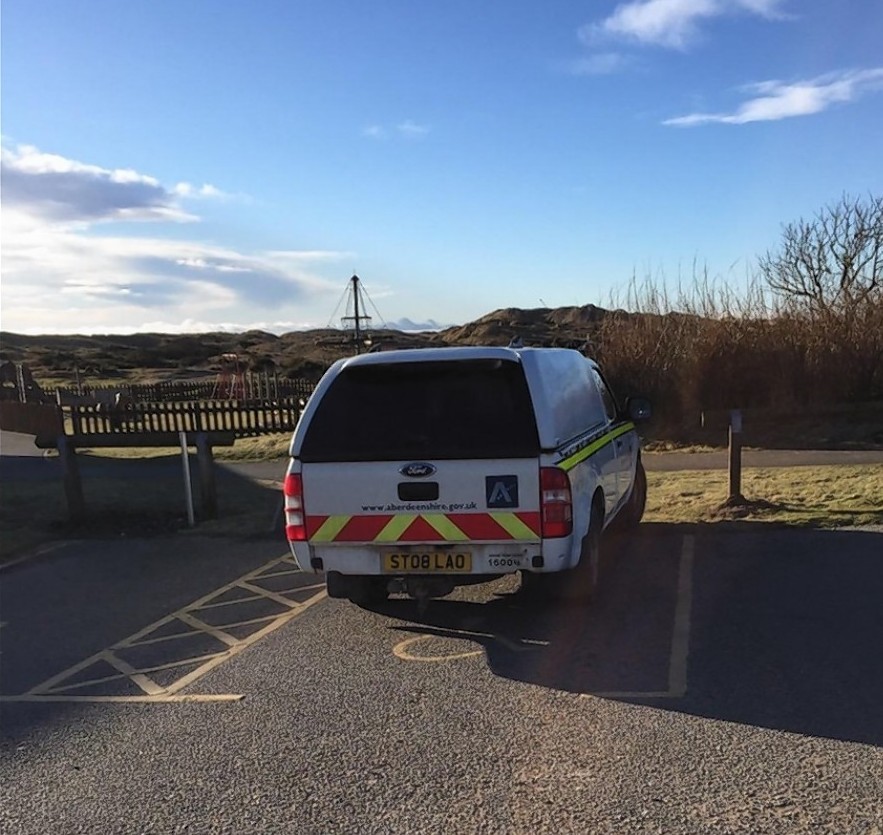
{"type": "Point", "coordinates": [355, 291]}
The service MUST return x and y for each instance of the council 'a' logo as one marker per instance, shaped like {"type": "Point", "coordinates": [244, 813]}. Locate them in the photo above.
{"type": "Point", "coordinates": [501, 490]}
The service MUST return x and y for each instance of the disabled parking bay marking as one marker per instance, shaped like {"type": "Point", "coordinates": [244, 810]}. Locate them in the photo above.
{"type": "Point", "coordinates": [217, 627]}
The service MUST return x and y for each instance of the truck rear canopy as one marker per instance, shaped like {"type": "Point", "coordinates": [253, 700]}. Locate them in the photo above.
{"type": "Point", "coordinates": [451, 409]}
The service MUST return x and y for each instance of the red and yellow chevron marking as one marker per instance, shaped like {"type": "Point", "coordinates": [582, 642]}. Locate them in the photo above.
{"type": "Point", "coordinates": [426, 527]}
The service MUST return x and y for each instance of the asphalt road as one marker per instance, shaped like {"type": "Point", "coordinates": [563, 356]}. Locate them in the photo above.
{"type": "Point", "coordinates": [722, 683]}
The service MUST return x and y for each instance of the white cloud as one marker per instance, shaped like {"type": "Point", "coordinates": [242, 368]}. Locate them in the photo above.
{"type": "Point", "coordinates": [601, 63]}
{"type": "Point", "coordinates": [407, 129]}
{"type": "Point", "coordinates": [671, 23]}
{"type": "Point", "coordinates": [774, 100]}
{"type": "Point", "coordinates": [206, 190]}
{"type": "Point", "coordinates": [55, 188]}
{"type": "Point", "coordinates": [411, 129]}
{"type": "Point", "coordinates": [69, 263]}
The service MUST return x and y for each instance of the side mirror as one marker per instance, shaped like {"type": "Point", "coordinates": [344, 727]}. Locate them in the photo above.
{"type": "Point", "coordinates": [638, 409]}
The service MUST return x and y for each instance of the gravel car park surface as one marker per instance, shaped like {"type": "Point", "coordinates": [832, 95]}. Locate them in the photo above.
{"type": "Point", "coordinates": [479, 714]}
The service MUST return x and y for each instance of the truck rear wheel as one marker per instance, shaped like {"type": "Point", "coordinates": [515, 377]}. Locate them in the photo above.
{"type": "Point", "coordinates": [575, 585]}
{"type": "Point", "coordinates": [630, 516]}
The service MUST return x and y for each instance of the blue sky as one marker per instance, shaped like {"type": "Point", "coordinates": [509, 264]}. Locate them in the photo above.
{"type": "Point", "coordinates": [196, 165]}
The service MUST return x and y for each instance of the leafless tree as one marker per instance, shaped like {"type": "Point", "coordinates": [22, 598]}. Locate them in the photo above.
{"type": "Point", "coordinates": [832, 263]}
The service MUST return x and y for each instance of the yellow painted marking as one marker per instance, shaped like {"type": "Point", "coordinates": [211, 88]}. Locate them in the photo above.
{"type": "Point", "coordinates": [680, 639]}
{"type": "Point", "coordinates": [395, 527]}
{"type": "Point", "coordinates": [53, 688]}
{"type": "Point", "coordinates": [249, 599]}
{"type": "Point", "coordinates": [278, 574]}
{"type": "Point", "coordinates": [510, 523]}
{"type": "Point", "coordinates": [445, 527]}
{"type": "Point", "coordinates": [330, 528]}
{"type": "Point", "coordinates": [401, 650]}
{"type": "Point", "coordinates": [244, 644]}
{"type": "Point", "coordinates": [578, 457]}
{"type": "Point", "coordinates": [629, 694]}
{"type": "Point", "coordinates": [104, 679]}
{"type": "Point", "coordinates": [272, 595]}
{"type": "Point", "coordinates": [512, 645]}
{"type": "Point", "coordinates": [81, 684]}
{"type": "Point", "coordinates": [249, 622]}
{"type": "Point", "coordinates": [153, 700]}
{"type": "Point", "coordinates": [202, 626]}
{"type": "Point", "coordinates": [147, 641]}
{"type": "Point", "coordinates": [148, 685]}
{"type": "Point", "coordinates": [50, 683]}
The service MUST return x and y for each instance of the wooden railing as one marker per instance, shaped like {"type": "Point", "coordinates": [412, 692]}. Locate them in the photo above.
{"type": "Point", "coordinates": [251, 387]}
{"type": "Point", "coordinates": [243, 419]}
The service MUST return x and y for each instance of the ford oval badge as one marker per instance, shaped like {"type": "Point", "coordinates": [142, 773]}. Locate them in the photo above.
{"type": "Point", "coordinates": [417, 469]}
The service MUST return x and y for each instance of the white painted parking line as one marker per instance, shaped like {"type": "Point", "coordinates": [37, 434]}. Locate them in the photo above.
{"type": "Point", "coordinates": [678, 654]}
{"type": "Point", "coordinates": [185, 623]}
{"type": "Point", "coordinates": [680, 639]}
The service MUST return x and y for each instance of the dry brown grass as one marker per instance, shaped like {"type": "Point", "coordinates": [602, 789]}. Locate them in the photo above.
{"type": "Point", "coordinates": [705, 345]}
{"type": "Point", "coordinates": [829, 496]}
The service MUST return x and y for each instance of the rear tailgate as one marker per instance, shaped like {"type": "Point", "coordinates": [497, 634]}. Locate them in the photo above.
{"type": "Point", "coordinates": [362, 517]}
{"type": "Point", "coordinates": [405, 465]}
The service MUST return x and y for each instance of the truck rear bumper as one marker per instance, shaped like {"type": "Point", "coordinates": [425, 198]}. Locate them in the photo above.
{"type": "Point", "coordinates": [493, 558]}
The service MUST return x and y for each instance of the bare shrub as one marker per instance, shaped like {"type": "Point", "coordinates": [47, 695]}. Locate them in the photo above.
{"type": "Point", "coordinates": [708, 345]}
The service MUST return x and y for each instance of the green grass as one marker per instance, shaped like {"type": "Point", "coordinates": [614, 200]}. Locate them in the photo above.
{"type": "Point", "coordinates": [33, 513]}
{"type": "Point", "coordinates": [263, 448]}
{"type": "Point", "coordinates": [829, 496]}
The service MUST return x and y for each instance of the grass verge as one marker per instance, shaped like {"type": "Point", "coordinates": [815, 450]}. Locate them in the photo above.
{"type": "Point", "coordinates": [829, 496]}
{"type": "Point", "coordinates": [263, 448]}
{"type": "Point", "coordinates": [34, 512]}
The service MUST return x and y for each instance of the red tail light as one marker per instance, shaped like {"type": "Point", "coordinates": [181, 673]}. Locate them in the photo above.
{"type": "Point", "coordinates": [556, 503]}
{"type": "Point", "coordinates": [293, 490]}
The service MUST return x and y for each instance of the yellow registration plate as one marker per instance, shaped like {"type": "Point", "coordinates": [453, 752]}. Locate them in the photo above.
{"type": "Point", "coordinates": [428, 562]}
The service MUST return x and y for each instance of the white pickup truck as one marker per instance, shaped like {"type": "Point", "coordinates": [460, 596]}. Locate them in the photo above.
{"type": "Point", "coordinates": [419, 470]}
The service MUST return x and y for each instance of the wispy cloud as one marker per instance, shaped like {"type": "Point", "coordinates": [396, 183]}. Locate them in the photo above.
{"type": "Point", "coordinates": [407, 129]}
{"type": "Point", "coordinates": [601, 63]}
{"type": "Point", "coordinates": [671, 23]}
{"type": "Point", "coordinates": [68, 255]}
{"type": "Point", "coordinates": [61, 189]}
{"type": "Point", "coordinates": [411, 129]}
{"type": "Point", "coordinates": [774, 100]}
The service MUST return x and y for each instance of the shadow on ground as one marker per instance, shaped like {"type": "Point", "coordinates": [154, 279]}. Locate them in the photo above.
{"type": "Point", "coordinates": [128, 497]}
{"type": "Point", "coordinates": [784, 628]}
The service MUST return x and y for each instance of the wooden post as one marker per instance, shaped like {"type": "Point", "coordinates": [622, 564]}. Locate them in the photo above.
{"type": "Point", "coordinates": [207, 489]}
{"type": "Point", "coordinates": [188, 485]}
{"type": "Point", "coordinates": [73, 486]}
{"type": "Point", "coordinates": [735, 458]}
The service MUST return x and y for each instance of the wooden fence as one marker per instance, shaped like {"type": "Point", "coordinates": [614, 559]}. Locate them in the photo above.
{"type": "Point", "coordinates": [243, 419]}
{"type": "Point", "coordinates": [251, 387]}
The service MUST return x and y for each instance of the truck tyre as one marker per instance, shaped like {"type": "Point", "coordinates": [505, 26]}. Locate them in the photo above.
{"type": "Point", "coordinates": [576, 585]}
{"type": "Point", "coordinates": [538, 589]}
{"type": "Point", "coordinates": [581, 583]}
{"type": "Point", "coordinates": [336, 585]}
{"type": "Point", "coordinates": [630, 516]}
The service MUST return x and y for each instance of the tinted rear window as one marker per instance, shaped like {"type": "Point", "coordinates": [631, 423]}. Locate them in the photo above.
{"type": "Point", "coordinates": [434, 410]}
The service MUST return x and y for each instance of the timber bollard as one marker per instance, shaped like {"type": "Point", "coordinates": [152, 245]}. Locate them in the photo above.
{"type": "Point", "coordinates": [73, 486]}
{"type": "Point", "coordinates": [206, 463]}
{"type": "Point", "coordinates": [735, 458]}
